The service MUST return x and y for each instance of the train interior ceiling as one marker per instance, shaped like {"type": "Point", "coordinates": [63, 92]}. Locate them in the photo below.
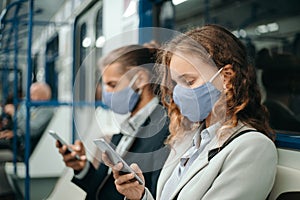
{"type": "Point", "coordinates": [270, 29]}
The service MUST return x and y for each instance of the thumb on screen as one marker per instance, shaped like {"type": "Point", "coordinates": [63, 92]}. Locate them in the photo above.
{"type": "Point", "coordinates": [136, 168]}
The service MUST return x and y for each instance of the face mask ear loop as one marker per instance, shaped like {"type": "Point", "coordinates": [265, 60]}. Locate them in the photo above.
{"type": "Point", "coordinates": [214, 76]}
{"type": "Point", "coordinates": [104, 91]}
{"type": "Point", "coordinates": [140, 91]}
{"type": "Point", "coordinates": [133, 80]}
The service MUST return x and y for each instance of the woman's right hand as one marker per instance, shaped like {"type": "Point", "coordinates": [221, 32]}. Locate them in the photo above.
{"type": "Point", "coordinates": [126, 184]}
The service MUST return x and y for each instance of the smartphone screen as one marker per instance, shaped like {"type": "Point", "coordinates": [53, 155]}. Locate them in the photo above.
{"type": "Point", "coordinates": [116, 158]}
{"type": "Point", "coordinates": [62, 142]}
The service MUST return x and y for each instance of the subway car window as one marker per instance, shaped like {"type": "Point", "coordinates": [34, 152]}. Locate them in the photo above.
{"type": "Point", "coordinates": [88, 49]}
{"type": "Point", "coordinates": [99, 29]}
{"type": "Point", "coordinates": [271, 34]}
{"type": "Point", "coordinates": [84, 42]}
{"type": "Point", "coordinates": [89, 43]}
{"type": "Point", "coordinates": [83, 51]}
{"type": "Point", "coordinates": [100, 40]}
{"type": "Point", "coordinates": [51, 75]}
{"type": "Point", "coordinates": [35, 67]}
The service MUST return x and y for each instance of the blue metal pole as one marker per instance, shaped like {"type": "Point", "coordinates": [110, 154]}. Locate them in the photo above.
{"type": "Point", "coordinates": [5, 79]}
{"type": "Point", "coordinates": [29, 77]}
{"type": "Point", "coordinates": [16, 37]}
{"type": "Point", "coordinates": [146, 20]}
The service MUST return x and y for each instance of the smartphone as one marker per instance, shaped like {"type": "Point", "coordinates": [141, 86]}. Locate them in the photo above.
{"type": "Point", "coordinates": [62, 142]}
{"type": "Point", "coordinates": [116, 158]}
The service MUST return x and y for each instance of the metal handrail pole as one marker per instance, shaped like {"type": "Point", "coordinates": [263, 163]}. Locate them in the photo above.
{"type": "Point", "coordinates": [28, 100]}
{"type": "Point", "coordinates": [15, 99]}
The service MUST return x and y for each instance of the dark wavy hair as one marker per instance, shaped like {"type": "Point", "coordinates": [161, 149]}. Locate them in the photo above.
{"type": "Point", "coordinates": [242, 94]}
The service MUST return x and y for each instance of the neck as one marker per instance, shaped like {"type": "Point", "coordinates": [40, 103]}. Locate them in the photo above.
{"type": "Point", "coordinates": [146, 96]}
{"type": "Point", "coordinates": [207, 120]}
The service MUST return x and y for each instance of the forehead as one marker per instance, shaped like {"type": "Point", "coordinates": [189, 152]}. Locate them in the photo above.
{"type": "Point", "coordinates": [190, 64]}
{"type": "Point", "coordinates": [113, 69]}
{"type": "Point", "coordinates": [112, 72]}
{"type": "Point", "coordinates": [179, 65]}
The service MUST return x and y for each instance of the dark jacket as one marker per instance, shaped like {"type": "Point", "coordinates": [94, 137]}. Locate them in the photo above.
{"type": "Point", "coordinates": [148, 151]}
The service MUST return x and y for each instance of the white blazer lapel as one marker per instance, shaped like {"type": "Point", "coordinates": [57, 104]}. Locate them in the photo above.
{"type": "Point", "coordinates": [164, 176]}
{"type": "Point", "coordinates": [200, 163]}
{"type": "Point", "coordinates": [176, 153]}
{"type": "Point", "coordinates": [202, 160]}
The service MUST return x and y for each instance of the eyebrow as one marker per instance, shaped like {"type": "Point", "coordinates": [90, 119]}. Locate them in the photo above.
{"type": "Point", "coordinates": [186, 75]}
{"type": "Point", "coordinates": [111, 82]}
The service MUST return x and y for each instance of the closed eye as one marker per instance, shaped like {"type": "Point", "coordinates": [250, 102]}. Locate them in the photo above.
{"type": "Point", "coordinates": [186, 83]}
{"type": "Point", "coordinates": [191, 82]}
{"type": "Point", "coordinates": [111, 84]}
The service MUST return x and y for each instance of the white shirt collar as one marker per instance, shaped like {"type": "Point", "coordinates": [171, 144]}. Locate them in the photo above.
{"type": "Point", "coordinates": [206, 134]}
{"type": "Point", "coordinates": [132, 124]}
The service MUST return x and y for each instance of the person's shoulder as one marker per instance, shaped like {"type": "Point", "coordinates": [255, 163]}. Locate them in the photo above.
{"type": "Point", "coordinates": [46, 110]}
{"type": "Point", "coordinates": [251, 134]}
{"type": "Point", "coordinates": [252, 146]}
{"type": "Point", "coordinates": [255, 140]}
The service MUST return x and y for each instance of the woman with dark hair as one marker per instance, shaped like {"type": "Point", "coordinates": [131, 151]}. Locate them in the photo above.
{"type": "Point", "coordinates": [212, 96]}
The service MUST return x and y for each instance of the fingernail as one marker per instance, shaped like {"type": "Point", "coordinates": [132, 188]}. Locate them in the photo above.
{"type": "Point", "coordinates": [77, 148]}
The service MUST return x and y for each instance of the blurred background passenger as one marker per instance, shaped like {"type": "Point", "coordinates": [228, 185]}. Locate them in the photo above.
{"type": "Point", "coordinates": [39, 118]}
{"type": "Point", "coordinates": [262, 60]}
{"type": "Point", "coordinates": [7, 113]}
{"type": "Point", "coordinates": [281, 80]}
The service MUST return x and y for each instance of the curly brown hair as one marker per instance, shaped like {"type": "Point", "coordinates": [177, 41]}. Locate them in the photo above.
{"type": "Point", "coordinates": [242, 94]}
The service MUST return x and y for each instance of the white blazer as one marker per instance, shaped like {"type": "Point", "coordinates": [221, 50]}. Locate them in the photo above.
{"type": "Point", "coordinates": [245, 169]}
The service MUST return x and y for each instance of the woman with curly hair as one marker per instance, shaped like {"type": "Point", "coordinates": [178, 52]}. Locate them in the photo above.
{"type": "Point", "coordinates": [221, 141]}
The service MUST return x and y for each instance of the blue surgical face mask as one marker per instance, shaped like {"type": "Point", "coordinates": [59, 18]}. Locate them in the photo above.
{"type": "Point", "coordinates": [123, 101]}
{"type": "Point", "coordinates": [196, 103]}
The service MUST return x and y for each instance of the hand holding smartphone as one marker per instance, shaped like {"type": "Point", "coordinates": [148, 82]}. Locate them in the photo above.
{"type": "Point", "coordinates": [62, 142]}
{"type": "Point", "coordinates": [115, 158]}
